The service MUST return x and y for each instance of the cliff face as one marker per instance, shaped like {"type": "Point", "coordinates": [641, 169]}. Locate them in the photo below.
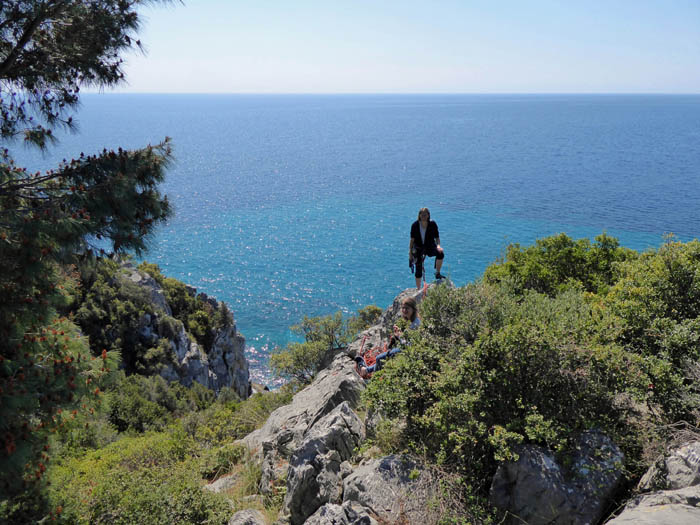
{"type": "Point", "coordinates": [224, 365]}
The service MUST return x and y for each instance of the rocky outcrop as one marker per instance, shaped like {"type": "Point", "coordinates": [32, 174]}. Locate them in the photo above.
{"type": "Point", "coordinates": [349, 513]}
{"type": "Point", "coordinates": [286, 427]}
{"type": "Point", "coordinates": [224, 365]}
{"type": "Point", "coordinates": [305, 444]}
{"type": "Point", "coordinates": [317, 468]}
{"type": "Point", "coordinates": [678, 469]}
{"type": "Point", "coordinates": [393, 487]}
{"type": "Point", "coordinates": [309, 445]}
{"type": "Point", "coordinates": [536, 490]}
{"type": "Point", "coordinates": [675, 480]}
{"type": "Point", "coordinates": [248, 517]}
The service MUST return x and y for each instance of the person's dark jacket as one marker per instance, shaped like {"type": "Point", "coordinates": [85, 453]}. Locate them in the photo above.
{"type": "Point", "coordinates": [431, 234]}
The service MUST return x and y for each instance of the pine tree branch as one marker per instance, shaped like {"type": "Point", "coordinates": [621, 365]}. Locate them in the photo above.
{"type": "Point", "coordinates": [44, 12]}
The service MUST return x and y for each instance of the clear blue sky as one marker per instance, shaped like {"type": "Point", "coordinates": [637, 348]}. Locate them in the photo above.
{"type": "Point", "coordinates": [412, 46]}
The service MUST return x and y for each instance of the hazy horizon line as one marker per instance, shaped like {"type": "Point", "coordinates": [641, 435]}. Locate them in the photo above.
{"type": "Point", "coordinates": [374, 93]}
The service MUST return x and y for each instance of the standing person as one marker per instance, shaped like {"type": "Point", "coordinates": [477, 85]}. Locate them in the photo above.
{"type": "Point", "coordinates": [425, 239]}
{"type": "Point", "coordinates": [409, 312]}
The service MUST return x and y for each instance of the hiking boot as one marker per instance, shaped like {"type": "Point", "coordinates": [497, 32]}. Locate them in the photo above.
{"type": "Point", "coordinates": [439, 276]}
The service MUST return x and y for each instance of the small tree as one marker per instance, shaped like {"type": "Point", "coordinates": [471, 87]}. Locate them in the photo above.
{"type": "Point", "coordinates": [322, 336]}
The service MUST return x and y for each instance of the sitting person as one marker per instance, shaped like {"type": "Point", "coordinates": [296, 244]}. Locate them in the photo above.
{"type": "Point", "coordinates": [409, 312]}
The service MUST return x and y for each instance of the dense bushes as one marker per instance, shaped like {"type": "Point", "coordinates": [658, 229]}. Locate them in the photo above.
{"type": "Point", "coordinates": [148, 479]}
{"type": "Point", "coordinates": [657, 302]}
{"type": "Point", "coordinates": [110, 471]}
{"type": "Point", "coordinates": [156, 477]}
{"type": "Point", "coordinates": [149, 403]}
{"type": "Point", "coordinates": [554, 263]}
{"type": "Point", "coordinates": [546, 346]}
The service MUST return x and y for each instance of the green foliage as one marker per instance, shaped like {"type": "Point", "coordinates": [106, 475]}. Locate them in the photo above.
{"type": "Point", "coordinates": [131, 411]}
{"type": "Point", "coordinates": [156, 477]}
{"type": "Point", "coordinates": [109, 200]}
{"type": "Point", "coordinates": [148, 479]}
{"type": "Point", "coordinates": [464, 313]}
{"type": "Point", "coordinates": [298, 361]}
{"type": "Point", "coordinates": [365, 318]}
{"type": "Point", "coordinates": [322, 337]}
{"type": "Point", "coordinates": [139, 403]}
{"type": "Point", "coordinates": [543, 349]}
{"type": "Point", "coordinates": [223, 422]}
{"type": "Point", "coordinates": [100, 476]}
{"type": "Point", "coordinates": [555, 263]}
{"type": "Point", "coordinates": [220, 460]}
{"type": "Point", "coordinates": [388, 436]}
{"type": "Point", "coordinates": [657, 302]}
{"type": "Point", "coordinates": [48, 379]}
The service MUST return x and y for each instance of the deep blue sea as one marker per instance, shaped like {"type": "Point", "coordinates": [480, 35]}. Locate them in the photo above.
{"type": "Point", "coordinates": [301, 204]}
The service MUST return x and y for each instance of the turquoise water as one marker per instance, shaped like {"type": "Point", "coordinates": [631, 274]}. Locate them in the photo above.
{"type": "Point", "coordinates": [293, 205]}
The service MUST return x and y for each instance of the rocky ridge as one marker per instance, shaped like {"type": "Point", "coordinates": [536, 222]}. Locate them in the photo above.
{"type": "Point", "coordinates": [224, 365]}
{"type": "Point", "coordinates": [307, 448]}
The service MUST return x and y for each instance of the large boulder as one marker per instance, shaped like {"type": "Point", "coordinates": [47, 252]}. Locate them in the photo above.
{"type": "Point", "coordinates": [391, 488]}
{"type": "Point", "coordinates": [317, 468]}
{"type": "Point", "coordinates": [675, 478]}
{"type": "Point", "coordinates": [678, 469]}
{"type": "Point", "coordinates": [286, 427]}
{"type": "Point", "coordinates": [536, 490]}
{"type": "Point", "coordinates": [666, 507]}
{"type": "Point", "coordinates": [349, 513]}
{"type": "Point", "coordinates": [248, 517]}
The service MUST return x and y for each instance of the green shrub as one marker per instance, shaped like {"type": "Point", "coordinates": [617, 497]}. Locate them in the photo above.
{"type": "Point", "coordinates": [142, 403]}
{"type": "Point", "coordinates": [497, 372]}
{"type": "Point", "coordinates": [145, 480]}
{"type": "Point", "coordinates": [225, 421]}
{"type": "Point", "coordinates": [555, 263]}
{"type": "Point", "coordinates": [131, 411]}
{"type": "Point", "coordinates": [462, 314]}
{"type": "Point", "coordinates": [365, 318]}
{"type": "Point", "coordinates": [220, 460]}
{"type": "Point", "coordinates": [657, 302]}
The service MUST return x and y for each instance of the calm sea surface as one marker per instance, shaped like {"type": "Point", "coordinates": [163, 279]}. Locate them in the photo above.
{"type": "Point", "coordinates": [293, 205]}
